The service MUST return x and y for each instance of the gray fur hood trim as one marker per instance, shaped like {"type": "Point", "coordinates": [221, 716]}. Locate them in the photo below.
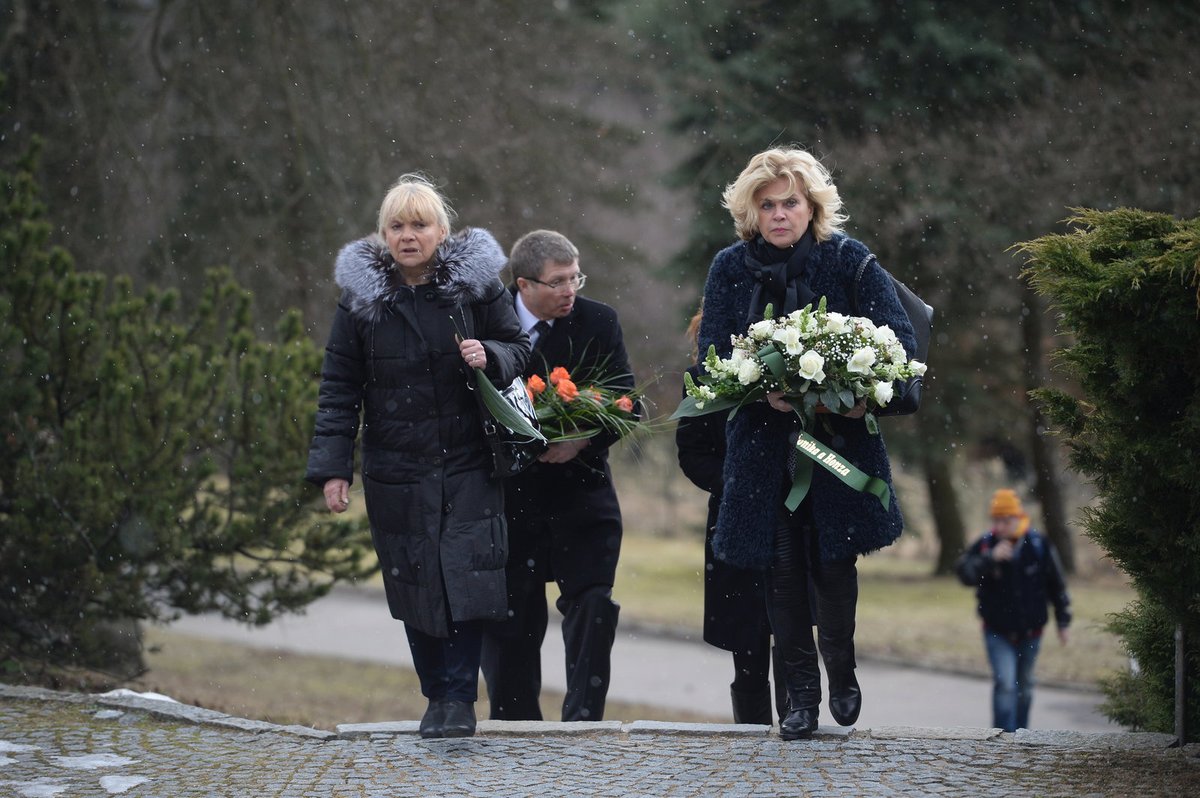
{"type": "Point", "coordinates": [466, 269]}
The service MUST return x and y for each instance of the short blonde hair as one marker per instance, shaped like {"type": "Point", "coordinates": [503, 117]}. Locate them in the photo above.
{"type": "Point", "coordinates": [414, 197]}
{"type": "Point", "coordinates": [804, 174]}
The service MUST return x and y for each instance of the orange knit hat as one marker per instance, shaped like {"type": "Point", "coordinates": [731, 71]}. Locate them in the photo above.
{"type": "Point", "coordinates": [1005, 503]}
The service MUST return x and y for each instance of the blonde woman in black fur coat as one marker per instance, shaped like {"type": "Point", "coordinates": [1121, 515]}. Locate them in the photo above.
{"type": "Point", "coordinates": [396, 360]}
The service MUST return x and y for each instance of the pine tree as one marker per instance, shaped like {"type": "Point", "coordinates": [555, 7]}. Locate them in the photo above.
{"type": "Point", "coordinates": [153, 455]}
{"type": "Point", "coordinates": [1126, 285]}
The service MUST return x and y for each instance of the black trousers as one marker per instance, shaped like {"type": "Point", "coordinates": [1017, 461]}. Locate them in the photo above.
{"type": "Point", "coordinates": [803, 590]}
{"type": "Point", "coordinates": [564, 524]}
{"type": "Point", "coordinates": [448, 668]}
{"type": "Point", "coordinates": [512, 661]}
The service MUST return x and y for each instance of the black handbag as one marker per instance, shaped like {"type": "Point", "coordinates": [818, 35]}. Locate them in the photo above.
{"type": "Point", "coordinates": [907, 396]}
{"type": "Point", "coordinates": [510, 425]}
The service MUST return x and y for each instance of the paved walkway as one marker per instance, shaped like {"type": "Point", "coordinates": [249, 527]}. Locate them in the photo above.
{"type": "Point", "coordinates": [55, 744]}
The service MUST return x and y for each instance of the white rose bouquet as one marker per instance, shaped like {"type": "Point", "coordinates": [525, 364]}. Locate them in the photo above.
{"type": "Point", "coordinates": [817, 358]}
{"type": "Point", "coordinates": [820, 360]}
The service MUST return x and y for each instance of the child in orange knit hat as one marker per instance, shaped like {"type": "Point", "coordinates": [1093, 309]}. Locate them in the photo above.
{"type": "Point", "coordinates": [1016, 573]}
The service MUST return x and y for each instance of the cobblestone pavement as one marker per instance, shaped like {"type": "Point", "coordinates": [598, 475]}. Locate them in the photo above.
{"type": "Point", "coordinates": [62, 744]}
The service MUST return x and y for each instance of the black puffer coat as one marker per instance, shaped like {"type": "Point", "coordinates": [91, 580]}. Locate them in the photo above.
{"type": "Point", "coordinates": [436, 515]}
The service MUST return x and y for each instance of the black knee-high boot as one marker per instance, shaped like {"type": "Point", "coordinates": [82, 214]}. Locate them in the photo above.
{"type": "Point", "coordinates": [751, 687]}
{"type": "Point", "coordinates": [790, 614]}
{"type": "Point", "coordinates": [837, 598]}
{"type": "Point", "coordinates": [782, 704]}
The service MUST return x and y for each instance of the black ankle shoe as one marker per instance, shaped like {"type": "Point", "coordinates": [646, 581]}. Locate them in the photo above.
{"type": "Point", "coordinates": [434, 721]}
{"type": "Point", "coordinates": [799, 724]}
{"type": "Point", "coordinates": [460, 719]}
{"type": "Point", "coordinates": [845, 701]}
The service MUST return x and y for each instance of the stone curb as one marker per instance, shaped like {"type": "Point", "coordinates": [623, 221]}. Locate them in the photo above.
{"type": "Point", "coordinates": [185, 713]}
{"type": "Point", "coordinates": [168, 709]}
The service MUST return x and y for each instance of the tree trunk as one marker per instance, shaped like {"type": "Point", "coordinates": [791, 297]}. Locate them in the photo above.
{"type": "Point", "coordinates": [943, 504]}
{"type": "Point", "coordinates": [1045, 461]}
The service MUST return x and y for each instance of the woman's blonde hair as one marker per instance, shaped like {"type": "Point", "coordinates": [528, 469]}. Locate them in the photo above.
{"type": "Point", "coordinates": [693, 331]}
{"type": "Point", "coordinates": [414, 197]}
{"type": "Point", "coordinates": [804, 174]}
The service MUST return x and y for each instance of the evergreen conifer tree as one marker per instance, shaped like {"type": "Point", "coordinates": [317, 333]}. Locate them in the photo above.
{"type": "Point", "coordinates": [153, 455]}
{"type": "Point", "coordinates": [1126, 285]}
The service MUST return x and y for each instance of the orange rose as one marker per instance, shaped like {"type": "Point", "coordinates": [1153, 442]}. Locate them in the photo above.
{"type": "Point", "coordinates": [529, 393]}
{"type": "Point", "coordinates": [566, 389]}
{"type": "Point", "coordinates": [535, 385]}
{"type": "Point", "coordinates": [595, 395]}
{"type": "Point", "coordinates": [558, 375]}
{"type": "Point", "coordinates": [625, 403]}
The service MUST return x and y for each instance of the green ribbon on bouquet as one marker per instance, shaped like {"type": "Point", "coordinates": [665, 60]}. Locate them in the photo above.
{"type": "Point", "coordinates": [817, 452]}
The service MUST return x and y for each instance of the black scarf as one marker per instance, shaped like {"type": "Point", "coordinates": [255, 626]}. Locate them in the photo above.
{"type": "Point", "coordinates": [777, 274]}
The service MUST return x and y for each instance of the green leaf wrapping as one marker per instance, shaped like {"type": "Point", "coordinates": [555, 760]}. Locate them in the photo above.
{"type": "Point", "coordinates": [501, 410]}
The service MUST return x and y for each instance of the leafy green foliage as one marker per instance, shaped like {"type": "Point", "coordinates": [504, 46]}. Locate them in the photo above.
{"type": "Point", "coordinates": [153, 455]}
{"type": "Point", "coordinates": [1126, 285]}
{"type": "Point", "coordinates": [1145, 699]}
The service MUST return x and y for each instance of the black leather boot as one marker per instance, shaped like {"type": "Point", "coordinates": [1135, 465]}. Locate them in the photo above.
{"type": "Point", "coordinates": [434, 720]}
{"type": "Point", "coordinates": [782, 706]}
{"type": "Point", "coordinates": [803, 680]}
{"type": "Point", "coordinates": [460, 719]}
{"type": "Point", "coordinates": [752, 706]}
{"type": "Point", "coordinates": [838, 596]}
{"type": "Point", "coordinates": [845, 696]}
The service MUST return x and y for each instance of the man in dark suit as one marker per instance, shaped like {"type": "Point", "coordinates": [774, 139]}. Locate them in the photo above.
{"type": "Point", "coordinates": [564, 522]}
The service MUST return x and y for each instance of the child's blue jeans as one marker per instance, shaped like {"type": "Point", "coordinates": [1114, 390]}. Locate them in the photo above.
{"type": "Point", "coordinates": [1012, 678]}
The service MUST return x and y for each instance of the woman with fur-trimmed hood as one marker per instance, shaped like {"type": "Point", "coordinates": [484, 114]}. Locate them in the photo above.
{"type": "Point", "coordinates": [787, 213]}
{"type": "Point", "coordinates": [419, 309]}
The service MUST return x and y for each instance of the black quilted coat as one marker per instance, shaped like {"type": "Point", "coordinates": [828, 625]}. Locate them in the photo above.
{"type": "Point", "coordinates": [437, 518]}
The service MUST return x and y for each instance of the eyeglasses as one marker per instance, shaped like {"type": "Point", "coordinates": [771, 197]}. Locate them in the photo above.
{"type": "Point", "coordinates": [577, 282]}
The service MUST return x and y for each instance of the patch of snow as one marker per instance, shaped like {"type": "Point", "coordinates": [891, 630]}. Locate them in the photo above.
{"type": "Point", "coordinates": [108, 714]}
{"type": "Point", "coordinates": [119, 784]}
{"type": "Point", "coordinates": [15, 748]}
{"type": "Point", "coordinates": [35, 789]}
{"type": "Point", "coordinates": [122, 692]}
{"type": "Point", "coordinates": [92, 761]}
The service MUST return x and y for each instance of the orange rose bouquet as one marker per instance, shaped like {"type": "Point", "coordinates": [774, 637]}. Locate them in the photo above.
{"type": "Point", "coordinates": [570, 409]}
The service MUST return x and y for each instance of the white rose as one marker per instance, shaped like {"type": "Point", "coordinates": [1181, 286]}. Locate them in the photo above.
{"type": "Point", "coordinates": [836, 323]}
{"type": "Point", "coordinates": [790, 338]}
{"type": "Point", "coordinates": [918, 368]}
{"type": "Point", "coordinates": [861, 361]}
{"type": "Point", "coordinates": [883, 393]}
{"type": "Point", "coordinates": [762, 329]}
{"type": "Point", "coordinates": [748, 372]}
{"type": "Point", "coordinates": [811, 366]}
{"type": "Point", "coordinates": [884, 336]}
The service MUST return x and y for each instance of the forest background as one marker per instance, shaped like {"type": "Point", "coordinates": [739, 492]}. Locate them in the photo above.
{"type": "Point", "coordinates": [181, 136]}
